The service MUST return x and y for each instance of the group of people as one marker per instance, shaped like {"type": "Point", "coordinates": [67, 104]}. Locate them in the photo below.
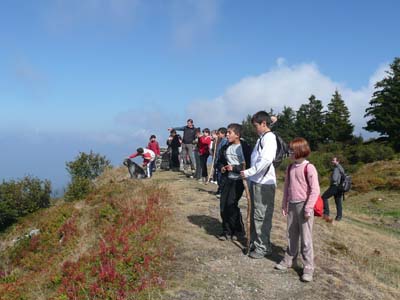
{"type": "Point", "coordinates": [235, 162]}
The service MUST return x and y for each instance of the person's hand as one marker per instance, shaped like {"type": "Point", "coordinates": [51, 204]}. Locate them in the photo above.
{"type": "Point", "coordinates": [228, 168]}
{"type": "Point", "coordinates": [306, 217]}
{"type": "Point", "coordinates": [284, 212]}
{"type": "Point", "coordinates": [273, 119]}
{"type": "Point", "coordinates": [242, 174]}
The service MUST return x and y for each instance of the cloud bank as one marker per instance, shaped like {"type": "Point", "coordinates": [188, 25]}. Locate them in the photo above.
{"type": "Point", "coordinates": [283, 85]}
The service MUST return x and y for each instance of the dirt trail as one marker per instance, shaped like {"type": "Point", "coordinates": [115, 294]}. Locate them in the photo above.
{"type": "Point", "coordinates": [206, 268]}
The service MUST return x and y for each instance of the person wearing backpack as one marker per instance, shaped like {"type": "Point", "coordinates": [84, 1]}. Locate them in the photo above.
{"type": "Point", "coordinates": [262, 185]}
{"type": "Point", "coordinates": [334, 190]}
{"type": "Point", "coordinates": [300, 193]}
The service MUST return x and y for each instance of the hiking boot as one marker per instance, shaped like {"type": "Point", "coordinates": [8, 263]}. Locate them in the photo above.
{"type": "Point", "coordinates": [256, 255]}
{"type": "Point", "coordinates": [327, 218]}
{"type": "Point", "coordinates": [307, 277]}
{"type": "Point", "coordinates": [338, 218]}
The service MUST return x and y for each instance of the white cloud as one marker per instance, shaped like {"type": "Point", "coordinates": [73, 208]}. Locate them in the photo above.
{"type": "Point", "coordinates": [281, 86]}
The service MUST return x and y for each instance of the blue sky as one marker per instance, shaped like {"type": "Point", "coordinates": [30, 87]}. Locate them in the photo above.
{"type": "Point", "coordinates": [77, 75]}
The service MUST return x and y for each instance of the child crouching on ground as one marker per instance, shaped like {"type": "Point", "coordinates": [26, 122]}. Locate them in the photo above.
{"type": "Point", "coordinates": [231, 161]}
{"type": "Point", "coordinates": [300, 194]}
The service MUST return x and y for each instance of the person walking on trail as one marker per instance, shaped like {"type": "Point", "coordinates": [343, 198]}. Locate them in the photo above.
{"type": "Point", "coordinates": [204, 152]}
{"type": "Point", "coordinates": [174, 143]}
{"type": "Point", "coordinates": [233, 156]}
{"type": "Point", "coordinates": [300, 193]}
{"type": "Point", "coordinates": [155, 147]}
{"type": "Point", "coordinates": [187, 144]}
{"type": "Point", "coordinates": [262, 186]}
{"type": "Point", "coordinates": [148, 156]}
{"type": "Point", "coordinates": [334, 190]}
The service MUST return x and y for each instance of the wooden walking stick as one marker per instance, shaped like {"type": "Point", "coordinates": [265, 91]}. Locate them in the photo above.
{"type": "Point", "coordinates": [248, 217]}
{"type": "Point", "coordinates": [213, 160]}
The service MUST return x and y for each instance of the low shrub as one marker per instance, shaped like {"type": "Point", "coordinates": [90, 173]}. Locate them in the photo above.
{"type": "Point", "coordinates": [21, 197]}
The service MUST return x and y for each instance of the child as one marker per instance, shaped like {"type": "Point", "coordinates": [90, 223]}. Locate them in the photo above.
{"type": "Point", "coordinates": [174, 143]}
{"type": "Point", "coordinates": [222, 142]}
{"type": "Point", "coordinates": [148, 156]}
{"type": "Point", "coordinates": [197, 174]}
{"type": "Point", "coordinates": [262, 185]}
{"type": "Point", "coordinates": [231, 161]}
{"type": "Point", "coordinates": [300, 194]}
{"type": "Point", "coordinates": [155, 147]}
{"type": "Point", "coordinates": [204, 151]}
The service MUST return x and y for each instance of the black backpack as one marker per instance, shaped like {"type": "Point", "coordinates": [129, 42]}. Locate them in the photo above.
{"type": "Point", "coordinates": [345, 182]}
{"type": "Point", "coordinates": [282, 150]}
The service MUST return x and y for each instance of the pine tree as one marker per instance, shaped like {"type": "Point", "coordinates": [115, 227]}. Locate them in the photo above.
{"type": "Point", "coordinates": [337, 122]}
{"type": "Point", "coordinates": [285, 125]}
{"type": "Point", "coordinates": [310, 122]}
{"type": "Point", "coordinates": [384, 107]}
{"type": "Point", "coordinates": [248, 131]}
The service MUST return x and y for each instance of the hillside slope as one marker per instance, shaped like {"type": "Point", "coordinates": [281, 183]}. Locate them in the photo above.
{"type": "Point", "coordinates": [155, 239]}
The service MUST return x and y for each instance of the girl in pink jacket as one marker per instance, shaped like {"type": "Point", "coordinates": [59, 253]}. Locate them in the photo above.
{"type": "Point", "coordinates": [300, 194]}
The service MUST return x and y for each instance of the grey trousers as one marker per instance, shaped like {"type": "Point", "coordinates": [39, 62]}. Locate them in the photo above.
{"type": "Point", "coordinates": [188, 155]}
{"type": "Point", "coordinates": [262, 210]}
{"type": "Point", "coordinates": [297, 228]}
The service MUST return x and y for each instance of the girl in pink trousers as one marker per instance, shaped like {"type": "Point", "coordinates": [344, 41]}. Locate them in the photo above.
{"type": "Point", "coordinates": [299, 197]}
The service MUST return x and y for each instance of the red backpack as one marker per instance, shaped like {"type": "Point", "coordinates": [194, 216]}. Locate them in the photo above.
{"type": "Point", "coordinates": [319, 205]}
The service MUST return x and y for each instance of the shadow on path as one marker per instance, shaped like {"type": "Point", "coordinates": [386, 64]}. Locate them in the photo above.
{"type": "Point", "coordinates": [211, 225]}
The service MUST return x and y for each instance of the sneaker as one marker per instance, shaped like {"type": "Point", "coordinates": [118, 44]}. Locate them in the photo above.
{"type": "Point", "coordinates": [281, 266]}
{"type": "Point", "coordinates": [256, 255]}
{"type": "Point", "coordinates": [222, 237]}
{"type": "Point", "coordinates": [307, 277]}
{"type": "Point", "coordinates": [338, 218]}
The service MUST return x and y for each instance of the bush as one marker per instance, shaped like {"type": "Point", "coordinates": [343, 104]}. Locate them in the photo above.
{"type": "Point", "coordinates": [21, 197]}
{"type": "Point", "coordinates": [83, 170]}
{"type": "Point", "coordinates": [368, 153]}
{"type": "Point", "coordinates": [87, 165]}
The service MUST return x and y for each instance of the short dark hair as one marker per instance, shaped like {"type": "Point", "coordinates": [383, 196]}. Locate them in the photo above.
{"type": "Point", "coordinates": [190, 120]}
{"type": "Point", "coordinates": [261, 116]}
{"type": "Point", "coordinates": [173, 131]}
{"type": "Point", "coordinates": [222, 130]}
{"type": "Point", "coordinates": [140, 150]}
{"type": "Point", "coordinates": [206, 130]}
{"type": "Point", "coordinates": [197, 130]}
{"type": "Point", "coordinates": [152, 136]}
{"type": "Point", "coordinates": [236, 128]}
{"type": "Point", "coordinates": [300, 148]}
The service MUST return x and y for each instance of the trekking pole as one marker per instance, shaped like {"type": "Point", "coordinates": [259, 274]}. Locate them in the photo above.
{"type": "Point", "coordinates": [248, 220]}
{"type": "Point", "coordinates": [213, 161]}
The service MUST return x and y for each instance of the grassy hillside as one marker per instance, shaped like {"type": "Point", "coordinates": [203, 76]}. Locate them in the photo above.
{"type": "Point", "coordinates": [109, 246]}
{"type": "Point", "coordinates": [116, 244]}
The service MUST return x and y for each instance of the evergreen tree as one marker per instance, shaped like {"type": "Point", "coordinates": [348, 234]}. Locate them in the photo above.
{"type": "Point", "coordinates": [285, 125]}
{"type": "Point", "coordinates": [248, 131]}
{"type": "Point", "coordinates": [337, 122]}
{"type": "Point", "coordinates": [384, 107]}
{"type": "Point", "coordinates": [310, 122]}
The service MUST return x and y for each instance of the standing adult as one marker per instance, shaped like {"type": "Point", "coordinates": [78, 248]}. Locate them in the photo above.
{"type": "Point", "coordinates": [174, 144]}
{"type": "Point", "coordinates": [187, 144]}
{"type": "Point", "coordinates": [334, 190]}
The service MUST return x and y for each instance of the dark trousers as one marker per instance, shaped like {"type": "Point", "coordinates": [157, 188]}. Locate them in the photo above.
{"type": "Point", "coordinates": [338, 195]}
{"type": "Point", "coordinates": [175, 159]}
{"type": "Point", "coordinates": [203, 163]}
{"type": "Point", "coordinates": [232, 191]}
